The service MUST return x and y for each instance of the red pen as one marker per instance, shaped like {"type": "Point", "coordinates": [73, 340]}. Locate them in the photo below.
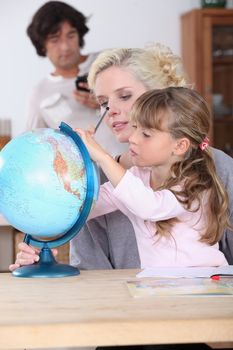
{"type": "Point", "coordinates": [220, 276]}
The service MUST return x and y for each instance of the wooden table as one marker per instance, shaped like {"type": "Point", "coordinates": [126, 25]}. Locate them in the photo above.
{"type": "Point", "coordinates": [96, 308]}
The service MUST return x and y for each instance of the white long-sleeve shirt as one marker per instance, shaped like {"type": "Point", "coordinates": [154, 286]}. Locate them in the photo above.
{"type": "Point", "coordinates": [136, 199]}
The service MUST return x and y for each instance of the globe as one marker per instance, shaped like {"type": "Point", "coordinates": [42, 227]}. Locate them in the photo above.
{"type": "Point", "coordinates": [48, 185]}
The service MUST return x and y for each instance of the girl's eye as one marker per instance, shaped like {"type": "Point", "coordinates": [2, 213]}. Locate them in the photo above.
{"type": "Point", "coordinates": [134, 126]}
{"type": "Point", "coordinates": [145, 134]}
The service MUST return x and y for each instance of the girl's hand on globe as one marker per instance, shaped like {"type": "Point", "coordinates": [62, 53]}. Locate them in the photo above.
{"type": "Point", "coordinates": [112, 169]}
{"type": "Point", "coordinates": [95, 150]}
{"type": "Point", "coordinates": [27, 255]}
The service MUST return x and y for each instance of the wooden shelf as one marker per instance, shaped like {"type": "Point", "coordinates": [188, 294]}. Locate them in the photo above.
{"type": "Point", "coordinates": [223, 60]}
{"type": "Point", "coordinates": [205, 31]}
{"type": "Point", "coordinates": [225, 119]}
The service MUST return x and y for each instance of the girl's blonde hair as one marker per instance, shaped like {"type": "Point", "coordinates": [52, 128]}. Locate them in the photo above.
{"type": "Point", "coordinates": [183, 113]}
{"type": "Point", "coordinates": [155, 66]}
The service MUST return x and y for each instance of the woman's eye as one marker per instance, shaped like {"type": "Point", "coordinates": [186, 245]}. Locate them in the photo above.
{"type": "Point", "coordinates": [104, 104]}
{"type": "Point", "coordinates": [126, 97]}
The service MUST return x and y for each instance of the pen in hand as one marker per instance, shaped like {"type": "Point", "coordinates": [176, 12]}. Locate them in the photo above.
{"type": "Point", "coordinates": [101, 118]}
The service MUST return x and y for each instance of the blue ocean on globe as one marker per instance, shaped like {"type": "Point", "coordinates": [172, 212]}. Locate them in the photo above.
{"type": "Point", "coordinates": [43, 182]}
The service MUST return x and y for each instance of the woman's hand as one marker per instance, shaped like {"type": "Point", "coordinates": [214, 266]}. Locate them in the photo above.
{"type": "Point", "coordinates": [86, 98]}
{"type": "Point", "coordinates": [27, 255]}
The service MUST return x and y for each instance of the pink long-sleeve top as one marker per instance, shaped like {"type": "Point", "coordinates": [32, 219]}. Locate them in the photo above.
{"type": "Point", "coordinates": [143, 206]}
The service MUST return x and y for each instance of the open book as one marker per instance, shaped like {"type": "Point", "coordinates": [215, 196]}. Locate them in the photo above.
{"type": "Point", "coordinates": [161, 287]}
{"type": "Point", "coordinates": [187, 272]}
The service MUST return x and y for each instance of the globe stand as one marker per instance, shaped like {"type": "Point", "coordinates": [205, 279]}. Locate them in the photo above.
{"type": "Point", "coordinates": [47, 266]}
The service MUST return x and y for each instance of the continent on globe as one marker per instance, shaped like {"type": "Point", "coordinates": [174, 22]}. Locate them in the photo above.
{"type": "Point", "coordinates": [43, 182]}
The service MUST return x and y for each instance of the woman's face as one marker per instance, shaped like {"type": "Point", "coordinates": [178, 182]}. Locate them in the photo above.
{"type": "Point", "coordinates": [118, 89]}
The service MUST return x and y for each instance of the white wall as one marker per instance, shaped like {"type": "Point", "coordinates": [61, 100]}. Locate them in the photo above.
{"type": "Point", "coordinates": [112, 23]}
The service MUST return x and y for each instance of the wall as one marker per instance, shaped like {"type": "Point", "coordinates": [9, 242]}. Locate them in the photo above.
{"type": "Point", "coordinates": [112, 23]}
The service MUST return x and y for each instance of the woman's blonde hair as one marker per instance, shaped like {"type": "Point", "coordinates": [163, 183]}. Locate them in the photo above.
{"type": "Point", "coordinates": [183, 113]}
{"type": "Point", "coordinates": [156, 66]}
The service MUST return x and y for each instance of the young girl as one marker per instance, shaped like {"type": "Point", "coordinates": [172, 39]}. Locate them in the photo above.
{"type": "Point", "coordinates": [172, 195]}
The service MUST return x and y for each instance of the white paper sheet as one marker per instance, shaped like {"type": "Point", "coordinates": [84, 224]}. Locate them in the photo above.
{"type": "Point", "coordinates": [186, 272]}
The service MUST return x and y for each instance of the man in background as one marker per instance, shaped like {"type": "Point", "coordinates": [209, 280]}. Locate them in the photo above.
{"type": "Point", "coordinates": [57, 32]}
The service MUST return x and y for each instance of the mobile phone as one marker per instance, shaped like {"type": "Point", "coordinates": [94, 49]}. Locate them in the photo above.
{"type": "Point", "coordinates": [81, 79]}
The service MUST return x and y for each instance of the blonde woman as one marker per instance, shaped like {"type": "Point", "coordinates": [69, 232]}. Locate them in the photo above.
{"type": "Point", "coordinates": [118, 77]}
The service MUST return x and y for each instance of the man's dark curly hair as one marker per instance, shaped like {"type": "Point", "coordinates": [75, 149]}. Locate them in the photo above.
{"type": "Point", "coordinates": [48, 20]}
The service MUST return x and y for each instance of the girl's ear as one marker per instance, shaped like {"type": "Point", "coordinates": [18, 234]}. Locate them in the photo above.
{"type": "Point", "coordinates": [181, 147]}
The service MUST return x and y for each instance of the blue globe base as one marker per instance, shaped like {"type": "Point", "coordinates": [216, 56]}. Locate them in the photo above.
{"type": "Point", "coordinates": [47, 267]}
